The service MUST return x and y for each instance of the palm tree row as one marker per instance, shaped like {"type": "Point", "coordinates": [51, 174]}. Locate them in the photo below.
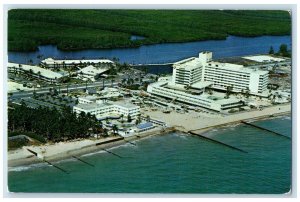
{"type": "Point", "coordinates": [52, 124]}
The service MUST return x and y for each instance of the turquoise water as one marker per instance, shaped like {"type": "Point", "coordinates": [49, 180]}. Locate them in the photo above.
{"type": "Point", "coordinates": [175, 163]}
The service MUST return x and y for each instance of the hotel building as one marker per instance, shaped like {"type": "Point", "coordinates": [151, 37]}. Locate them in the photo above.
{"type": "Point", "coordinates": [221, 75]}
{"type": "Point", "coordinates": [102, 109]}
{"type": "Point", "coordinates": [162, 89]}
{"type": "Point", "coordinates": [191, 76]}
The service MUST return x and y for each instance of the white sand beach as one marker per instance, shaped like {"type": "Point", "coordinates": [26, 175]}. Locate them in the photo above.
{"type": "Point", "coordinates": [198, 122]}
{"type": "Point", "coordinates": [63, 150]}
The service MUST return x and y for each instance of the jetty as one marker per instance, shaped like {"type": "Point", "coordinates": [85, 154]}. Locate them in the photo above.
{"type": "Point", "coordinates": [217, 142]}
{"type": "Point", "coordinates": [264, 129]}
{"type": "Point", "coordinates": [36, 154]}
{"type": "Point", "coordinates": [112, 153]}
{"type": "Point", "coordinates": [75, 157]}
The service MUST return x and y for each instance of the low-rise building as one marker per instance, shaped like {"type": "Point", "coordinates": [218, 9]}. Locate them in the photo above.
{"type": "Point", "coordinates": [104, 109]}
{"type": "Point", "coordinates": [107, 93]}
{"type": "Point", "coordinates": [35, 71]}
{"type": "Point", "coordinates": [53, 63]}
{"type": "Point", "coordinates": [162, 89]}
{"type": "Point", "coordinates": [91, 72]}
{"type": "Point", "coordinates": [87, 99]}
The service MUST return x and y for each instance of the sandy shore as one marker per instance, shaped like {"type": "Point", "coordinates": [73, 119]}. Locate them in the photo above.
{"type": "Point", "coordinates": [64, 150]}
{"type": "Point", "coordinates": [194, 121]}
{"type": "Point", "coordinates": [198, 121]}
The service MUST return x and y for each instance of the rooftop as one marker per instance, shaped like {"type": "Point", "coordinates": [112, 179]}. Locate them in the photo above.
{"type": "Point", "coordinates": [188, 64]}
{"type": "Point", "coordinates": [125, 104]}
{"type": "Point", "coordinates": [53, 61]}
{"type": "Point", "coordinates": [89, 97]}
{"type": "Point", "coordinates": [91, 70]}
{"type": "Point", "coordinates": [35, 69]}
{"type": "Point", "coordinates": [201, 84]}
{"type": "Point", "coordinates": [92, 106]}
{"type": "Point", "coordinates": [264, 58]}
{"type": "Point", "coordinates": [235, 67]}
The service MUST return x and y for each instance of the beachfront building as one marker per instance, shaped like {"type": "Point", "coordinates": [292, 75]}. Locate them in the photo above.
{"type": "Point", "coordinates": [52, 63]}
{"type": "Point", "coordinates": [221, 75]}
{"type": "Point", "coordinates": [91, 72]}
{"type": "Point", "coordinates": [35, 71]}
{"type": "Point", "coordinates": [104, 110]}
{"type": "Point", "coordinates": [108, 92]}
{"type": "Point", "coordinates": [187, 72]}
{"type": "Point", "coordinates": [87, 99]}
{"type": "Point", "coordinates": [165, 90]}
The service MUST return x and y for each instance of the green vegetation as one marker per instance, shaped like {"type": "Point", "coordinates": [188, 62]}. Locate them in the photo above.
{"type": "Point", "coordinates": [82, 29]}
{"type": "Point", "coordinates": [17, 143]}
{"type": "Point", "coordinates": [28, 134]}
{"type": "Point", "coordinates": [271, 51]}
{"type": "Point", "coordinates": [50, 124]}
{"type": "Point", "coordinates": [283, 51]}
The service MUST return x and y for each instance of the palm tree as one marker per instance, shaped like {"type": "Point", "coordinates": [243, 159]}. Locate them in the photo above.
{"type": "Point", "coordinates": [30, 71]}
{"type": "Point", "coordinates": [112, 82]}
{"type": "Point", "coordinates": [105, 132]}
{"type": "Point", "coordinates": [139, 118]}
{"type": "Point", "coordinates": [39, 74]}
{"type": "Point", "coordinates": [122, 116]}
{"type": "Point", "coordinates": [247, 94]}
{"type": "Point", "coordinates": [115, 129]}
{"type": "Point", "coordinates": [129, 119]}
{"type": "Point", "coordinates": [123, 81]}
{"type": "Point", "coordinates": [228, 91]}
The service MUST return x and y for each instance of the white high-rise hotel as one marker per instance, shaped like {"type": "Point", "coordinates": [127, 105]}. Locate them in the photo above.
{"type": "Point", "coordinates": [222, 75]}
{"type": "Point", "coordinates": [199, 73]}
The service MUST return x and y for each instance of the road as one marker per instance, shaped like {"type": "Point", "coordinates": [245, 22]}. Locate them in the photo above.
{"type": "Point", "coordinates": [63, 88]}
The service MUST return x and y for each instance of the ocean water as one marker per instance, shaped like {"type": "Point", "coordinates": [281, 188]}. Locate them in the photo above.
{"type": "Point", "coordinates": [175, 163]}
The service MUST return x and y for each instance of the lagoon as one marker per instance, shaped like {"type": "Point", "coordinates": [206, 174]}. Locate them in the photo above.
{"type": "Point", "coordinates": [161, 53]}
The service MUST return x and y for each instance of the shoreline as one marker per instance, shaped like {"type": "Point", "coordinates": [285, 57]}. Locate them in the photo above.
{"type": "Point", "coordinates": [30, 158]}
{"type": "Point", "coordinates": [81, 147]}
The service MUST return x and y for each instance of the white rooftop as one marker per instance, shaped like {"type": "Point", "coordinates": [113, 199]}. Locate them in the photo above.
{"type": "Point", "coordinates": [53, 61]}
{"type": "Point", "coordinates": [35, 69]}
{"type": "Point", "coordinates": [91, 70]}
{"type": "Point", "coordinates": [235, 67]}
{"type": "Point", "coordinates": [125, 104]}
{"type": "Point", "coordinates": [188, 64]}
{"type": "Point", "coordinates": [201, 84]}
{"type": "Point", "coordinates": [264, 58]}
{"type": "Point", "coordinates": [92, 106]}
{"type": "Point", "coordinates": [89, 97]}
